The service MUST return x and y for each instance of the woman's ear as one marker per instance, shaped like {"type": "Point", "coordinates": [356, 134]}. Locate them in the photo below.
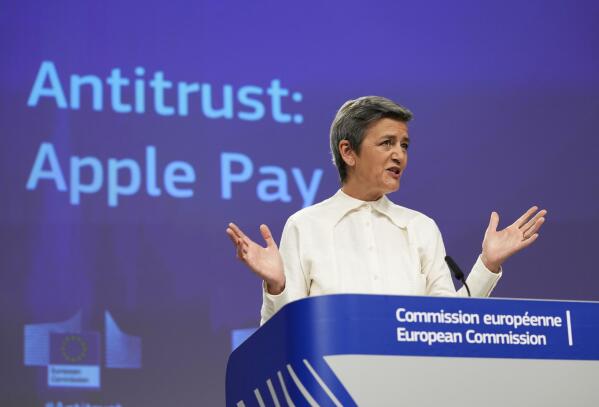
{"type": "Point", "coordinates": [347, 153]}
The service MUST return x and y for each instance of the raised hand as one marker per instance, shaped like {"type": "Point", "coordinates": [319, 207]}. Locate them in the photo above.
{"type": "Point", "coordinates": [266, 261]}
{"type": "Point", "coordinates": [499, 245]}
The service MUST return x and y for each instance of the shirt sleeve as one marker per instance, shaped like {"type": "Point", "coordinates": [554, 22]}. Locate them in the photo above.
{"type": "Point", "coordinates": [296, 280]}
{"type": "Point", "coordinates": [481, 280]}
{"type": "Point", "coordinates": [438, 276]}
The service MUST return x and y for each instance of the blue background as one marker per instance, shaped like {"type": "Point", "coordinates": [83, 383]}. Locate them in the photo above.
{"type": "Point", "coordinates": [506, 102]}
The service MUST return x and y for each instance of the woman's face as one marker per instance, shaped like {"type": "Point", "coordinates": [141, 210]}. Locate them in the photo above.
{"type": "Point", "coordinates": [383, 157]}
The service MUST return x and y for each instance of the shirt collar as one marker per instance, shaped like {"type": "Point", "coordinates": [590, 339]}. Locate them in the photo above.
{"type": "Point", "coordinates": [345, 204]}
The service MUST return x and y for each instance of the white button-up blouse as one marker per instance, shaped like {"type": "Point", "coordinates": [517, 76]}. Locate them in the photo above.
{"type": "Point", "coordinates": [345, 245]}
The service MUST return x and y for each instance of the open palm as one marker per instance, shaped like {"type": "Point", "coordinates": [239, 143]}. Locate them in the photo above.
{"type": "Point", "coordinates": [499, 245]}
{"type": "Point", "coordinates": [266, 261]}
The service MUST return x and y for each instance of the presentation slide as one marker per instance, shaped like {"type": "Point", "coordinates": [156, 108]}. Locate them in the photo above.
{"type": "Point", "coordinates": [132, 133]}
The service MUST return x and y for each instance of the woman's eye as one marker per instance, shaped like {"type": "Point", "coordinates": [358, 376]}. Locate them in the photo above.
{"type": "Point", "coordinates": [405, 146]}
{"type": "Point", "coordinates": [387, 143]}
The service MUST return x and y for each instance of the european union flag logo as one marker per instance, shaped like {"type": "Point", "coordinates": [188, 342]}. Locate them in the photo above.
{"type": "Point", "coordinates": [73, 356]}
{"type": "Point", "coordinates": [74, 360]}
{"type": "Point", "coordinates": [75, 348]}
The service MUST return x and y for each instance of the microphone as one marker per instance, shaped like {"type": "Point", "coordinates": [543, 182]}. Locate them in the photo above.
{"type": "Point", "coordinates": [457, 272]}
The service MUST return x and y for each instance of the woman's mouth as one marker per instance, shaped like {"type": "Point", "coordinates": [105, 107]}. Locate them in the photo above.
{"type": "Point", "coordinates": [394, 171]}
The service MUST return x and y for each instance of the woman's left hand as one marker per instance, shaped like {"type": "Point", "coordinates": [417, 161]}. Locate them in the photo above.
{"type": "Point", "coordinates": [499, 245]}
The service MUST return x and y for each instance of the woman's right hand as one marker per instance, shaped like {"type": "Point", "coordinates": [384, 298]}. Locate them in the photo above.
{"type": "Point", "coordinates": [266, 261]}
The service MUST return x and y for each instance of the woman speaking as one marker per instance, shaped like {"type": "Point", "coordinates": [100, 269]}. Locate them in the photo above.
{"type": "Point", "coordinates": [358, 241]}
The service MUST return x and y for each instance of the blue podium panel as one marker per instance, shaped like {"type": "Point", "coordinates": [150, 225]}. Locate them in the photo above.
{"type": "Point", "coordinates": [397, 350]}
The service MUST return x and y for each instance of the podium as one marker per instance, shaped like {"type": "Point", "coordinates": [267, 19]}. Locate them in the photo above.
{"type": "Point", "coordinates": [376, 350]}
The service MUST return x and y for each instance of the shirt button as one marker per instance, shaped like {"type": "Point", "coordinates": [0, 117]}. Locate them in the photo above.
{"type": "Point", "coordinates": [371, 248]}
{"type": "Point", "coordinates": [367, 223]}
{"type": "Point", "coordinates": [376, 277]}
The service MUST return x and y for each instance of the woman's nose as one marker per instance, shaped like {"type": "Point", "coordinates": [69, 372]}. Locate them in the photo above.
{"type": "Point", "coordinates": [398, 154]}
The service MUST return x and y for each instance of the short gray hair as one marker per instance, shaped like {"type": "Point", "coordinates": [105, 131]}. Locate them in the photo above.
{"type": "Point", "coordinates": [355, 117]}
